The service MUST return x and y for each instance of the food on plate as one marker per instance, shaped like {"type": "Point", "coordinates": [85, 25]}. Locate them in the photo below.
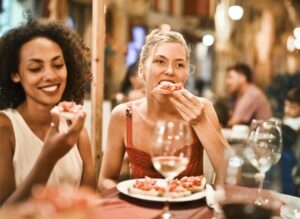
{"type": "Point", "coordinates": [193, 183]}
{"type": "Point", "coordinates": [146, 186]}
{"type": "Point", "coordinates": [67, 110]}
{"type": "Point", "coordinates": [167, 87]}
{"type": "Point", "coordinates": [174, 189]}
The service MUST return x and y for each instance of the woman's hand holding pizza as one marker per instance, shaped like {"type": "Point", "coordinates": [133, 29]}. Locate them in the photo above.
{"type": "Point", "coordinates": [190, 107]}
{"type": "Point", "coordinates": [58, 143]}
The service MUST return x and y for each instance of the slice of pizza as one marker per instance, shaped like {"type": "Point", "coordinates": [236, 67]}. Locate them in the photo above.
{"type": "Point", "coordinates": [175, 190]}
{"type": "Point", "coordinates": [168, 87]}
{"type": "Point", "coordinates": [193, 183]}
{"type": "Point", "coordinates": [67, 110]}
{"type": "Point", "coordinates": [146, 186]}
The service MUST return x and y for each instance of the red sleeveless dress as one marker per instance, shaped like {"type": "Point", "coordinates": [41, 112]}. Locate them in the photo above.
{"type": "Point", "coordinates": [140, 162]}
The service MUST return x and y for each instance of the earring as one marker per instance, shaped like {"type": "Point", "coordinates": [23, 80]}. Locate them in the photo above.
{"type": "Point", "coordinates": [15, 78]}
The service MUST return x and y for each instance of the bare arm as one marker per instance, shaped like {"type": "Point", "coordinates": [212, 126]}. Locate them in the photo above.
{"type": "Point", "coordinates": [114, 149]}
{"type": "Point", "coordinates": [7, 176]}
{"type": "Point", "coordinates": [56, 145]}
{"type": "Point", "coordinates": [201, 114]}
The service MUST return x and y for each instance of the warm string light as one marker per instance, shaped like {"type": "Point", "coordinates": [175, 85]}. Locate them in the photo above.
{"type": "Point", "coordinates": [297, 37]}
{"type": "Point", "coordinates": [208, 39]}
{"type": "Point", "coordinates": [235, 12]}
{"type": "Point", "coordinates": [293, 41]}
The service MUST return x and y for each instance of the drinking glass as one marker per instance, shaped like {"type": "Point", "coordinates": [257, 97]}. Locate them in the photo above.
{"type": "Point", "coordinates": [170, 152]}
{"type": "Point", "coordinates": [235, 194]}
{"type": "Point", "coordinates": [263, 149]}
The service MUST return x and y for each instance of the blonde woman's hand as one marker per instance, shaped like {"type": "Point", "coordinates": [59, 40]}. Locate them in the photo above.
{"type": "Point", "coordinates": [190, 107]}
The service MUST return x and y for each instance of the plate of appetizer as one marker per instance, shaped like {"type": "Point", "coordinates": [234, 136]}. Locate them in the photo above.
{"type": "Point", "coordinates": [178, 190]}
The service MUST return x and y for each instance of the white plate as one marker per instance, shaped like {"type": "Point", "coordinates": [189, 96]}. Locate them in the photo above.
{"type": "Point", "coordinates": [124, 185]}
{"type": "Point", "coordinates": [290, 211]}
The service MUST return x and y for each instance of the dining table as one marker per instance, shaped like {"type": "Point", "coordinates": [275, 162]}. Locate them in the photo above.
{"type": "Point", "coordinates": [118, 205]}
{"type": "Point", "coordinates": [131, 207]}
{"type": "Point", "coordinates": [139, 208]}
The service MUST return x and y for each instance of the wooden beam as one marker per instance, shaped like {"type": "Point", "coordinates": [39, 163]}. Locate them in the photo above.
{"type": "Point", "coordinates": [98, 45]}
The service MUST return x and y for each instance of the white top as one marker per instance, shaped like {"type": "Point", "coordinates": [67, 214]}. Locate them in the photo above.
{"type": "Point", "coordinates": [294, 123]}
{"type": "Point", "coordinates": [27, 149]}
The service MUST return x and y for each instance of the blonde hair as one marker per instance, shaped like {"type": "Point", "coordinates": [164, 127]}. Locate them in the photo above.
{"type": "Point", "coordinates": [159, 36]}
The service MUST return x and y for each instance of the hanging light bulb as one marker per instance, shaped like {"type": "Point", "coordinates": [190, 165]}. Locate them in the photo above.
{"type": "Point", "coordinates": [235, 12]}
{"type": "Point", "coordinates": [297, 43]}
{"type": "Point", "coordinates": [208, 40]}
{"type": "Point", "coordinates": [297, 32]}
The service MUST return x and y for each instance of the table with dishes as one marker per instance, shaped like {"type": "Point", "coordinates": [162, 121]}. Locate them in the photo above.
{"type": "Point", "coordinates": [119, 203]}
{"type": "Point", "coordinates": [195, 206]}
{"type": "Point", "coordinates": [192, 206]}
{"type": "Point", "coordinates": [228, 199]}
{"type": "Point", "coordinates": [234, 199]}
{"type": "Point", "coordinates": [238, 133]}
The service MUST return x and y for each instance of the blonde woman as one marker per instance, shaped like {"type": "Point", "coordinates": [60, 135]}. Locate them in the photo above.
{"type": "Point", "coordinates": [164, 59]}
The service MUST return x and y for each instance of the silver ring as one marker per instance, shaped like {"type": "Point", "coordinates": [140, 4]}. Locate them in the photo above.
{"type": "Point", "coordinates": [52, 125]}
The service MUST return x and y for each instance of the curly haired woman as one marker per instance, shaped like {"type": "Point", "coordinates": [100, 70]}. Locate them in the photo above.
{"type": "Point", "coordinates": [42, 64]}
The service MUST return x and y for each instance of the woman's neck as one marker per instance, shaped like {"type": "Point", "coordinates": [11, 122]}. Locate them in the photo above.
{"type": "Point", "coordinates": [161, 108]}
{"type": "Point", "coordinates": [35, 116]}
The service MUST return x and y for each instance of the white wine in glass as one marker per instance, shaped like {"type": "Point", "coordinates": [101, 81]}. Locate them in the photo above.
{"type": "Point", "coordinates": [171, 151]}
{"type": "Point", "coordinates": [264, 149]}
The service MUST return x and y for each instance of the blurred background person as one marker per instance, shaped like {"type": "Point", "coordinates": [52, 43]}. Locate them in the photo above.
{"type": "Point", "coordinates": [292, 109]}
{"type": "Point", "coordinates": [248, 100]}
{"type": "Point", "coordinates": [132, 86]}
{"type": "Point", "coordinates": [289, 163]}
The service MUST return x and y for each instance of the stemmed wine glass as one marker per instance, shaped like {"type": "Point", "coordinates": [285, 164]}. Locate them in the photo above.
{"type": "Point", "coordinates": [170, 152]}
{"type": "Point", "coordinates": [264, 149]}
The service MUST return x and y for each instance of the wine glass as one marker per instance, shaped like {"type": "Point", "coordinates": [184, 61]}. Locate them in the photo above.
{"type": "Point", "coordinates": [233, 194]}
{"type": "Point", "coordinates": [264, 149]}
{"type": "Point", "coordinates": [170, 151]}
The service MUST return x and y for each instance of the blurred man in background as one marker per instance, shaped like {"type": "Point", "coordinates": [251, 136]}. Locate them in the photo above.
{"type": "Point", "coordinates": [249, 102]}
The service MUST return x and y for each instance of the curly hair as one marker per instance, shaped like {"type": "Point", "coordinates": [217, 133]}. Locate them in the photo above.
{"type": "Point", "coordinates": [74, 52]}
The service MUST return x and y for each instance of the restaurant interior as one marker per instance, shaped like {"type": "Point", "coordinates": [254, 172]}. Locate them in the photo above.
{"type": "Point", "coordinates": [265, 34]}
{"type": "Point", "coordinates": [262, 33]}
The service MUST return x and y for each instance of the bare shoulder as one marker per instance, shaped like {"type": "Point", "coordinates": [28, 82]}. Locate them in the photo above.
{"type": "Point", "coordinates": [5, 124]}
{"type": "Point", "coordinates": [119, 111]}
{"type": "Point", "coordinates": [6, 130]}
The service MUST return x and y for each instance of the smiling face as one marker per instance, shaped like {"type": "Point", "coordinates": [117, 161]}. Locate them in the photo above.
{"type": "Point", "coordinates": [167, 62]}
{"type": "Point", "coordinates": [42, 71]}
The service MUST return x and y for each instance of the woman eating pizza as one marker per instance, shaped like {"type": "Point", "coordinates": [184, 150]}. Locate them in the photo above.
{"type": "Point", "coordinates": [164, 66]}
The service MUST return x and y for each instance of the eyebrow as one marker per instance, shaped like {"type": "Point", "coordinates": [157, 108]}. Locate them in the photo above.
{"type": "Point", "coordinates": [162, 56]}
{"type": "Point", "coordinates": [39, 60]}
